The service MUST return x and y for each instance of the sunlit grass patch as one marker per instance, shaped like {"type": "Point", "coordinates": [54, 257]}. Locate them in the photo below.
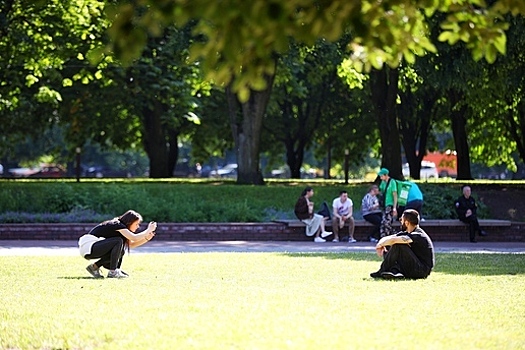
{"type": "Point", "coordinates": [261, 300]}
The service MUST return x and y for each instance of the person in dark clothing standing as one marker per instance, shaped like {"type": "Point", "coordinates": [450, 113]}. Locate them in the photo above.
{"type": "Point", "coordinates": [466, 209]}
{"type": "Point", "coordinates": [407, 254]}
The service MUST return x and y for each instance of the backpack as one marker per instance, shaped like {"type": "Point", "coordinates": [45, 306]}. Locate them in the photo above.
{"type": "Point", "coordinates": [325, 211]}
{"type": "Point", "coordinates": [403, 187]}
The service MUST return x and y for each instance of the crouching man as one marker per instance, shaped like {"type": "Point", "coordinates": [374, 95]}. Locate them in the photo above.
{"type": "Point", "coordinates": [407, 254]}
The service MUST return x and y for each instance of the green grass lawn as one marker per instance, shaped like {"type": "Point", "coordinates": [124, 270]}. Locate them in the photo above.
{"type": "Point", "coordinates": [261, 301]}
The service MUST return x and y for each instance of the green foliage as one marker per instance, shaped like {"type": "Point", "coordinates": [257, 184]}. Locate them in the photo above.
{"type": "Point", "coordinates": [192, 202]}
{"type": "Point", "coordinates": [384, 32]}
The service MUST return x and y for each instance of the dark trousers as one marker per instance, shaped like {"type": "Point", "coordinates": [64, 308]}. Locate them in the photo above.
{"type": "Point", "coordinates": [374, 219]}
{"type": "Point", "coordinates": [473, 223]}
{"type": "Point", "coordinates": [386, 222]}
{"type": "Point", "coordinates": [415, 204]}
{"type": "Point", "coordinates": [110, 252]}
{"type": "Point", "coordinates": [400, 257]}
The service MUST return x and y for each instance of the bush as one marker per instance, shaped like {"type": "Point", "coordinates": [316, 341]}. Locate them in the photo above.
{"type": "Point", "coordinates": [175, 201]}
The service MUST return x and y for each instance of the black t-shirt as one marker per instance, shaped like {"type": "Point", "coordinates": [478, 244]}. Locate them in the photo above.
{"type": "Point", "coordinates": [421, 245]}
{"type": "Point", "coordinates": [108, 229]}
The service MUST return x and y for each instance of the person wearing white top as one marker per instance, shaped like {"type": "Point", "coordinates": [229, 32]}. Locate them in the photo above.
{"type": "Point", "coordinates": [342, 214]}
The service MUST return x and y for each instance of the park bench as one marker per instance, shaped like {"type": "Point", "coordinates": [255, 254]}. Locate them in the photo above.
{"type": "Point", "coordinates": [449, 229]}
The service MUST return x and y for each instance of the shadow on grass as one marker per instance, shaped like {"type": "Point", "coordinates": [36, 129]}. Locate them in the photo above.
{"type": "Point", "coordinates": [448, 263]}
{"type": "Point", "coordinates": [78, 278]}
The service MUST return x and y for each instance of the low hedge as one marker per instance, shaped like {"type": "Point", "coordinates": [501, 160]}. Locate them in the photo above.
{"type": "Point", "coordinates": [185, 201]}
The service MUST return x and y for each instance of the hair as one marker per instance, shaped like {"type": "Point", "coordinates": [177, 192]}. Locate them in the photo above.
{"type": "Point", "coordinates": [130, 217]}
{"type": "Point", "coordinates": [373, 187]}
{"type": "Point", "coordinates": [412, 216]}
{"type": "Point", "coordinates": [342, 191]}
{"type": "Point", "coordinates": [307, 189]}
{"type": "Point", "coordinates": [127, 219]}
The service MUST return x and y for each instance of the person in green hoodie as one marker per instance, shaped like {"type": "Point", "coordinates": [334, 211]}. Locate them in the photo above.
{"type": "Point", "coordinates": [388, 188]}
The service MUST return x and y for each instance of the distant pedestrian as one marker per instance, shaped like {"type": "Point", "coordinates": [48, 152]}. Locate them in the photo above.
{"type": "Point", "coordinates": [108, 241]}
{"type": "Point", "coordinates": [466, 208]}
{"type": "Point", "coordinates": [304, 211]}
{"type": "Point", "coordinates": [414, 200]}
{"type": "Point", "coordinates": [342, 207]}
{"type": "Point", "coordinates": [371, 211]}
{"type": "Point", "coordinates": [388, 190]}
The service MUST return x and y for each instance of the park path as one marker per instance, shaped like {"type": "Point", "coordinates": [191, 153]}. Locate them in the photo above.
{"type": "Point", "coordinates": [59, 247]}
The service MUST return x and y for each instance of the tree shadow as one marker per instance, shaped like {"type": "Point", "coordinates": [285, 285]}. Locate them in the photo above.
{"type": "Point", "coordinates": [448, 263]}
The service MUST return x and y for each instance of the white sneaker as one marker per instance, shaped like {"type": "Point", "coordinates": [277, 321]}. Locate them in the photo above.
{"type": "Point", "coordinates": [351, 240]}
{"type": "Point", "coordinates": [373, 240]}
{"type": "Point", "coordinates": [319, 240]}
{"type": "Point", "coordinates": [335, 240]}
{"type": "Point", "coordinates": [325, 234]}
{"type": "Point", "coordinates": [116, 274]}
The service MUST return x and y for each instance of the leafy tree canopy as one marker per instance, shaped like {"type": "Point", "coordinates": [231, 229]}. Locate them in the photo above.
{"type": "Point", "coordinates": [242, 37]}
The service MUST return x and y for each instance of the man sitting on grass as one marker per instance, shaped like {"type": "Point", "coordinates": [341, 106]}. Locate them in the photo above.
{"type": "Point", "coordinates": [407, 254]}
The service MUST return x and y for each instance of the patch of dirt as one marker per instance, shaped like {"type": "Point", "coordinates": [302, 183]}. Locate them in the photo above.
{"type": "Point", "coordinates": [504, 202]}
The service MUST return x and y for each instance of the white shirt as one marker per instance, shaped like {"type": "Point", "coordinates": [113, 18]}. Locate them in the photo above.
{"type": "Point", "coordinates": [342, 209]}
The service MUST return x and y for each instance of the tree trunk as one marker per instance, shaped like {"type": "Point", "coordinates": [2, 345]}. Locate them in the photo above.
{"type": "Point", "coordinates": [459, 131]}
{"type": "Point", "coordinates": [414, 126]}
{"type": "Point", "coordinates": [384, 84]}
{"type": "Point", "coordinates": [155, 143]}
{"type": "Point", "coordinates": [516, 128]}
{"type": "Point", "coordinates": [294, 158]}
{"type": "Point", "coordinates": [246, 123]}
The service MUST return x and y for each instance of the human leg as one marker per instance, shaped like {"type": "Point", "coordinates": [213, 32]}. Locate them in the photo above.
{"type": "Point", "coordinates": [471, 227]}
{"type": "Point", "coordinates": [318, 222]}
{"type": "Point", "coordinates": [374, 219]}
{"type": "Point", "coordinates": [386, 222]}
{"type": "Point", "coordinates": [417, 205]}
{"type": "Point", "coordinates": [351, 229]}
{"type": "Point", "coordinates": [335, 227]}
{"type": "Point", "coordinates": [108, 251]}
{"type": "Point", "coordinates": [401, 259]}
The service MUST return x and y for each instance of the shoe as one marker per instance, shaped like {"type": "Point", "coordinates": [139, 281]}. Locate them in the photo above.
{"type": "Point", "coordinates": [116, 274]}
{"type": "Point", "coordinates": [335, 240]}
{"type": "Point", "coordinates": [373, 240]}
{"type": "Point", "coordinates": [482, 233]}
{"type": "Point", "coordinates": [94, 272]}
{"type": "Point", "coordinates": [376, 274]}
{"type": "Point", "coordinates": [124, 273]}
{"type": "Point", "coordinates": [392, 275]}
{"type": "Point", "coordinates": [351, 240]}
{"type": "Point", "coordinates": [319, 240]}
{"type": "Point", "coordinates": [325, 234]}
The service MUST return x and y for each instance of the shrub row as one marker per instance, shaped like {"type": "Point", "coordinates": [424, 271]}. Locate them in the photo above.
{"type": "Point", "coordinates": [173, 201]}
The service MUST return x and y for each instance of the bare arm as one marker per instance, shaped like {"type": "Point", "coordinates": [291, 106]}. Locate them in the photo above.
{"type": "Point", "coordinates": [132, 237]}
{"type": "Point", "coordinates": [388, 241]}
{"type": "Point", "coordinates": [335, 213]}
{"type": "Point", "coordinates": [394, 195]}
{"type": "Point", "coordinates": [141, 241]}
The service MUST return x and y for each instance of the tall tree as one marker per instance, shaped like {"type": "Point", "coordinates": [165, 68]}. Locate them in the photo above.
{"type": "Point", "coordinates": [246, 124]}
{"type": "Point", "coordinates": [384, 91]}
{"type": "Point", "coordinates": [311, 105]}
{"type": "Point", "coordinates": [243, 38]}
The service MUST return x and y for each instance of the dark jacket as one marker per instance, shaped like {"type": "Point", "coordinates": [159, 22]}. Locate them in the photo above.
{"type": "Point", "coordinates": [301, 209]}
{"type": "Point", "coordinates": [463, 204]}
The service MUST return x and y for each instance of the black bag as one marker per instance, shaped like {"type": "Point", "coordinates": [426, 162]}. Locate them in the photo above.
{"type": "Point", "coordinates": [325, 211]}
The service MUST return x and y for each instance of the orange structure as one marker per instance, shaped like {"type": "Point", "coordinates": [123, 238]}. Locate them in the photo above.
{"type": "Point", "coordinates": [446, 162]}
